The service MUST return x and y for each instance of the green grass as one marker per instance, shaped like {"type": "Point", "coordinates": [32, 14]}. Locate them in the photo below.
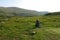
{"type": "Point", "coordinates": [18, 28]}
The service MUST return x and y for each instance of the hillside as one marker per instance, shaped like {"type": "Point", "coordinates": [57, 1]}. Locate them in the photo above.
{"type": "Point", "coordinates": [53, 13]}
{"type": "Point", "coordinates": [14, 11]}
{"type": "Point", "coordinates": [18, 28]}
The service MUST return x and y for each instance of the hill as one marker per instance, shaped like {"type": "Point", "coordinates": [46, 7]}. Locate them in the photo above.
{"type": "Point", "coordinates": [14, 11]}
{"type": "Point", "coordinates": [53, 13]}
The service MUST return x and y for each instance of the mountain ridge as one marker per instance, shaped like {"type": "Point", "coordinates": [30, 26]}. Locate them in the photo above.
{"type": "Point", "coordinates": [15, 11]}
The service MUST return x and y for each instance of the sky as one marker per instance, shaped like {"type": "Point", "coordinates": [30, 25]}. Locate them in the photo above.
{"type": "Point", "coordinates": [38, 5]}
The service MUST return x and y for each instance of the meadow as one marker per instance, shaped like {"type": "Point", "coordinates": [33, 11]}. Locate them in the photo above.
{"type": "Point", "coordinates": [18, 28]}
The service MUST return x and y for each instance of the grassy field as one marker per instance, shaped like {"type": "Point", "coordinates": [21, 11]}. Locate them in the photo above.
{"type": "Point", "coordinates": [18, 28]}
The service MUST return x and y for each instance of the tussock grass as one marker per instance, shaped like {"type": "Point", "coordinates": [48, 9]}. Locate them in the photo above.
{"type": "Point", "coordinates": [18, 28]}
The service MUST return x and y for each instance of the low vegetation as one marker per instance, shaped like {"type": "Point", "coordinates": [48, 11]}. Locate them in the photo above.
{"type": "Point", "coordinates": [19, 28]}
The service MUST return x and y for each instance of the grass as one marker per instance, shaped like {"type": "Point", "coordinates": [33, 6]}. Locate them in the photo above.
{"type": "Point", "coordinates": [18, 28]}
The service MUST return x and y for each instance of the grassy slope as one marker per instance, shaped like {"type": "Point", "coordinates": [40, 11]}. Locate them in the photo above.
{"type": "Point", "coordinates": [17, 28]}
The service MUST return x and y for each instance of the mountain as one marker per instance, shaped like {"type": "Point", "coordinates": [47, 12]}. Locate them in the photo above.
{"type": "Point", "coordinates": [14, 11]}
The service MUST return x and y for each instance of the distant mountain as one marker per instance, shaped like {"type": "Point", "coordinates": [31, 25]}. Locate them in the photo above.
{"type": "Point", "coordinates": [14, 11]}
